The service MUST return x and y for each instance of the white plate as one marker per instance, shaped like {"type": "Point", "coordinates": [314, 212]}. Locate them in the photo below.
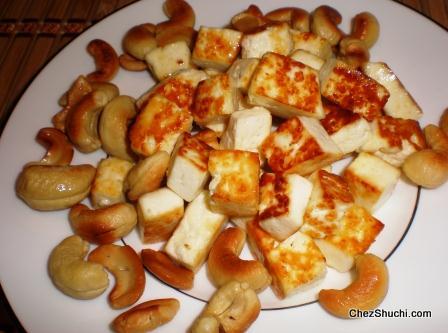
{"type": "Point", "coordinates": [415, 48]}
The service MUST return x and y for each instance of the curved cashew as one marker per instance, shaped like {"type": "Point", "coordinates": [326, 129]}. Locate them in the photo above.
{"type": "Point", "coordinates": [233, 308]}
{"type": "Point", "coordinates": [325, 23]}
{"type": "Point", "coordinates": [444, 122]}
{"type": "Point", "coordinates": [82, 121]}
{"type": "Point", "coordinates": [113, 126]}
{"type": "Point", "coordinates": [104, 225]}
{"type": "Point", "coordinates": [365, 293]}
{"type": "Point", "coordinates": [366, 27]}
{"type": "Point", "coordinates": [147, 175]}
{"type": "Point", "coordinates": [51, 187]}
{"type": "Point", "coordinates": [180, 25]}
{"type": "Point", "coordinates": [298, 18]}
{"type": "Point", "coordinates": [59, 149]}
{"type": "Point", "coordinates": [74, 276]}
{"type": "Point", "coordinates": [248, 20]}
{"type": "Point", "coordinates": [132, 64]}
{"type": "Point", "coordinates": [224, 265]}
{"type": "Point", "coordinates": [125, 265]}
{"type": "Point", "coordinates": [109, 89]}
{"type": "Point", "coordinates": [159, 264]}
{"type": "Point", "coordinates": [77, 91]}
{"type": "Point", "coordinates": [106, 61]}
{"type": "Point", "coordinates": [429, 167]}
{"type": "Point", "coordinates": [146, 316]}
{"type": "Point", "coordinates": [354, 51]}
{"type": "Point", "coordinates": [140, 40]}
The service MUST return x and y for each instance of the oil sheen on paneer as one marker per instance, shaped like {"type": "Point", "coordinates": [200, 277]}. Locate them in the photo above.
{"type": "Point", "coordinates": [299, 145]}
{"type": "Point", "coordinates": [394, 139]}
{"type": "Point", "coordinates": [158, 126]}
{"type": "Point", "coordinates": [216, 48]}
{"type": "Point", "coordinates": [352, 90]}
{"type": "Point", "coordinates": [234, 187]}
{"type": "Point", "coordinates": [188, 170]}
{"type": "Point", "coordinates": [295, 264]}
{"type": "Point", "coordinates": [287, 87]}
{"type": "Point", "coordinates": [215, 100]}
{"type": "Point", "coordinates": [311, 43]}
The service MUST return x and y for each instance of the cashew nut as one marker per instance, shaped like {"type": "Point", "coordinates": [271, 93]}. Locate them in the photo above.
{"type": "Point", "coordinates": [77, 91]}
{"type": "Point", "coordinates": [297, 18]}
{"type": "Point", "coordinates": [429, 167]}
{"type": "Point", "coordinates": [366, 292]}
{"type": "Point", "coordinates": [82, 121]}
{"type": "Point", "coordinates": [106, 61]}
{"type": "Point", "coordinates": [113, 127]}
{"type": "Point", "coordinates": [224, 265]}
{"type": "Point", "coordinates": [125, 265]}
{"type": "Point", "coordinates": [74, 276]}
{"type": "Point", "coordinates": [325, 23]}
{"type": "Point", "coordinates": [59, 149]}
{"type": "Point", "coordinates": [140, 40]}
{"type": "Point", "coordinates": [104, 225]}
{"type": "Point", "coordinates": [354, 51]}
{"type": "Point", "coordinates": [366, 27]}
{"type": "Point", "coordinates": [110, 89]}
{"type": "Point", "coordinates": [180, 24]}
{"type": "Point", "coordinates": [51, 187]}
{"type": "Point", "coordinates": [147, 175]}
{"type": "Point", "coordinates": [248, 20]}
{"type": "Point", "coordinates": [233, 308]}
{"type": "Point", "coordinates": [159, 264]}
{"type": "Point", "coordinates": [146, 316]}
{"type": "Point", "coordinates": [130, 63]}
{"type": "Point", "coordinates": [444, 122]}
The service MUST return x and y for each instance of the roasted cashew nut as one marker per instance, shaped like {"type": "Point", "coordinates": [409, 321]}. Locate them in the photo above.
{"type": "Point", "coordinates": [249, 20]}
{"type": "Point", "coordinates": [59, 149]}
{"type": "Point", "coordinates": [233, 308]}
{"type": "Point", "coordinates": [297, 18]}
{"type": "Point", "coordinates": [52, 187]}
{"type": "Point", "coordinates": [110, 89]}
{"type": "Point", "coordinates": [106, 61]}
{"type": "Point", "coordinates": [113, 127]}
{"type": "Point", "coordinates": [429, 167]}
{"type": "Point", "coordinates": [77, 91]}
{"type": "Point", "coordinates": [159, 264]}
{"type": "Point", "coordinates": [354, 51]}
{"type": "Point", "coordinates": [180, 25]}
{"type": "Point", "coordinates": [125, 265]}
{"type": "Point", "coordinates": [140, 40]}
{"type": "Point", "coordinates": [366, 27]}
{"type": "Point", "coordinates": [325, 23]}
{"type": "Point", "coordinates": [147, 175]}
{"type": "Point", "coordinates": [132, 64]}
{"type": "Point", "coordinates": [104, 225]}
{"type": "Point", "coordinates": [444, 122]}
{"type": "Point", "coordinates": [366, 292]}
{"type": "Point", "coordinates": [82, 121]}
{"type": "Point", "coordinates": [224, 264]}
{"type": "Point", "coordinates": [146, 316]}
{"type": "Point", "coordinates": [74, 276]}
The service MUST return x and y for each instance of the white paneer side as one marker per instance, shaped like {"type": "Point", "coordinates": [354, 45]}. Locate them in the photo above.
{"type": "Point", "coordinates": [371, 180]}
{"type": "Point", "coordinates": [159, 212]}
{"type": "Point", "coordinates": [216, 48]}
{"type": "Point", "coordinates": [275, 38]}
{"type": "Point", "coordinates": [247, 129]}
{"type": "Point", "coordinates": [308, 59]}
{"type": "Point", "coordinates": [188, 170]}
{"type": "Point", "coordinates": [108, 185]}
{"type": "Point", "coordinates": [191, 241]}
{"type": "Point", "coordinates": [400, 103]}
{"type": "Point", "coordinates": [241, 72]}
{"type": "Point", "coordinates": [283, 199]}
{"type": "Point", "coordinates": [286, 87]}
{"type": "Point", "coordinates": [166, 60]}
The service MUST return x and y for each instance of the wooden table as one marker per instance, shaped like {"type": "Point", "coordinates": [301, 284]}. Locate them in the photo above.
{"type": "Point", "coordinates": [33, 31]}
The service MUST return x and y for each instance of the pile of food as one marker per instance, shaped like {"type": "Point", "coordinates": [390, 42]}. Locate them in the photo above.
{"type": "Point", "coordinates": [241, 128]}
